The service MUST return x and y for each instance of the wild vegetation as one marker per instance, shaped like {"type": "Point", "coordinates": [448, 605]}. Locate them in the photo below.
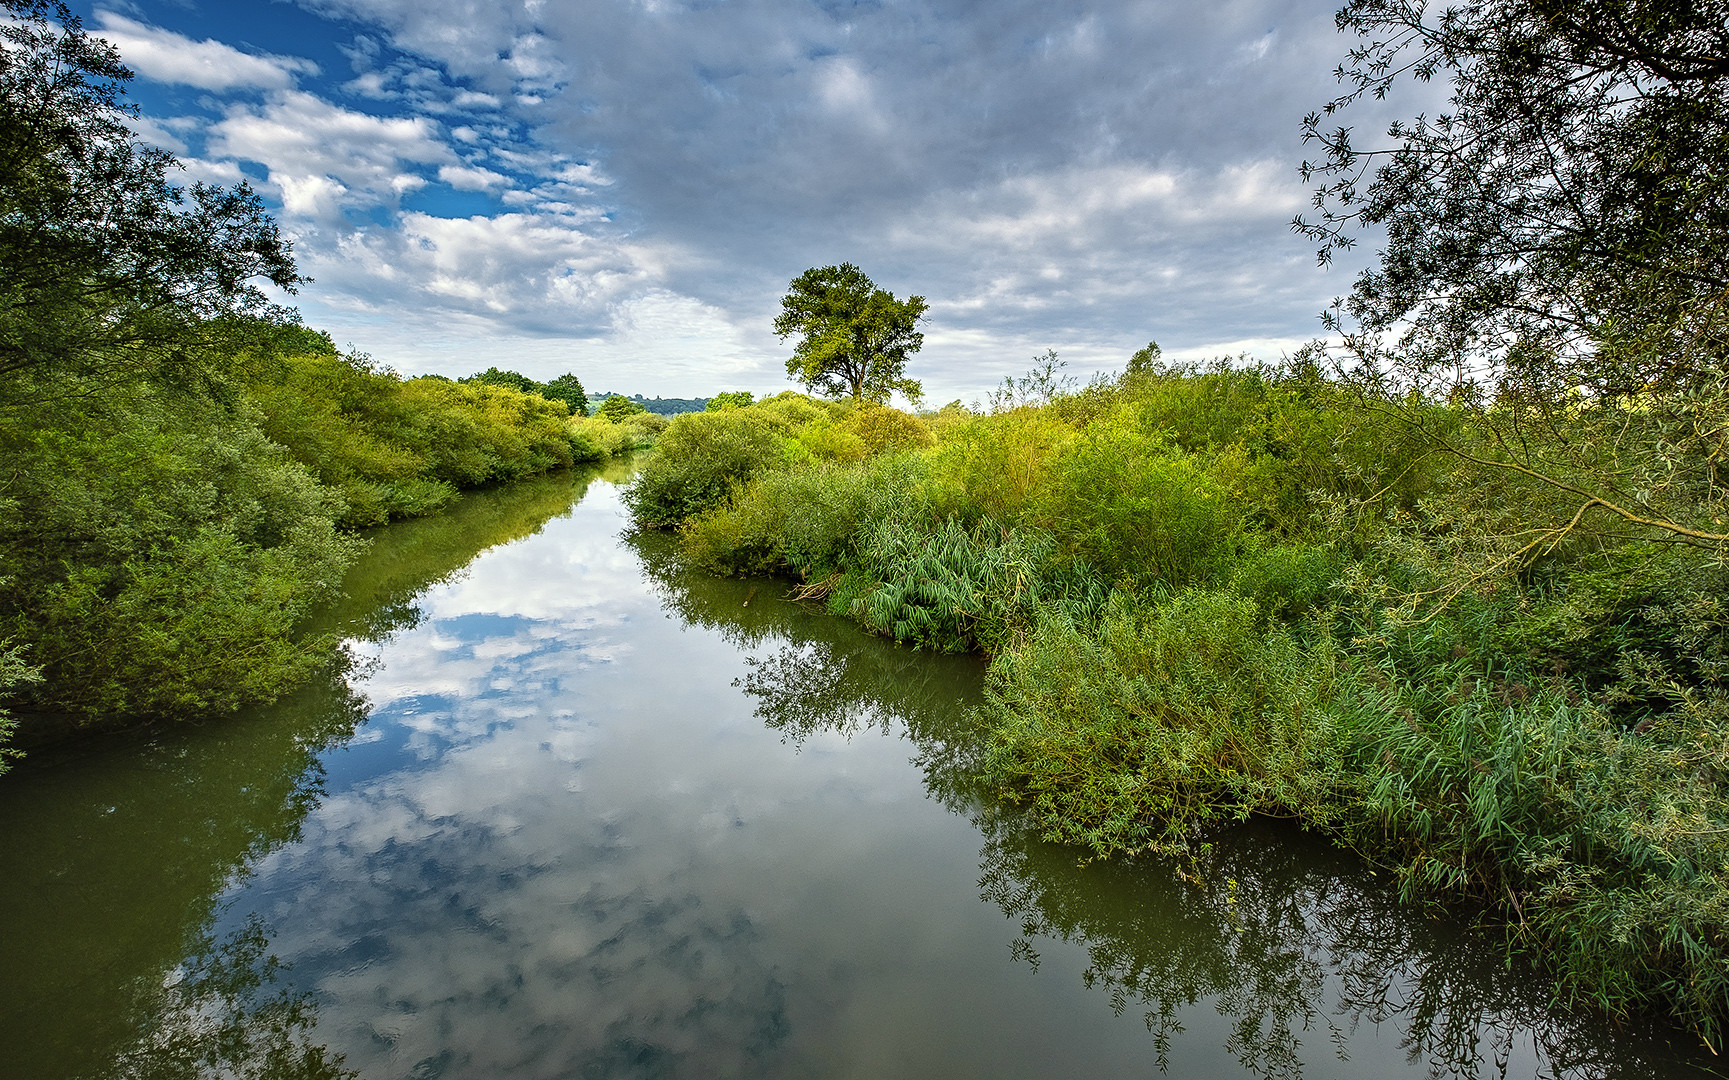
{"type": "Point", "coordinates": [185, 463]}
{"type": "Point", "coordinates": [1240, 589]}
{"type": "Point", "coordinates": [1448, 586]}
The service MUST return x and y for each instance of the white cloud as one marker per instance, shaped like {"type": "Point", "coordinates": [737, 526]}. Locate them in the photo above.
{"type": "Point", "coordinates": [325, 159]}
{"type": "Point", "coordinates": [468, 178]}
{"type": "Point", "coordinates": [208, 64]}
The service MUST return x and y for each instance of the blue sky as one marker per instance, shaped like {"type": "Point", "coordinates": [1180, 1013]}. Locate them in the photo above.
{"type": "Point", "coordinates": [623, 188]}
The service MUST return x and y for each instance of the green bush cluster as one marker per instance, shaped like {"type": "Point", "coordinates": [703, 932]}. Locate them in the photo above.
{"type": "Point", "coordinates": [1214, 592]}
{"type": "Point", "coordinates": [397, 447]}
{"type": "Point", "coordinates": [165, 541]}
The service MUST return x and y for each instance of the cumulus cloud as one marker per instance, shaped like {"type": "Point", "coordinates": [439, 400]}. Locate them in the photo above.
{"type": "Point", "coordinates": [324, 159]}
{"type": "Point", "coordinates": [209, 65]}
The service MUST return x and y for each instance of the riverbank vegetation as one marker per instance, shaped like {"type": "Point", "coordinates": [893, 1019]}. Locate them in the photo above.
{"type": "Point", "coordinates": [1448, 585]}
{"type": "Point", "coordinates": [1211, 592]}
{"type": "Point", "coordinates": [185, 464]}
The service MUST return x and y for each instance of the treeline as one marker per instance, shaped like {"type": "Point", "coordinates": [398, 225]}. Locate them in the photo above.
{"type": "Point", "coordinates": [184, 465]}
{"type": "Point", "coordinates": [671, 406]}
{"type": "Point", "coordinates": [1209, 593]}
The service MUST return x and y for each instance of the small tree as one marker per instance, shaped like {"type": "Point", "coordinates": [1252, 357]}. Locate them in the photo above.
{"type": "Point", "coordinates": [568, 389]}
{"type": "Point", "coordinates": [617, 407]}
{"type": "Point", "coordinates": [854, 338]}
{"type": "Point", "coordinates": [513, 380]}
{"type": "Point", "coordinates": [732, 399]}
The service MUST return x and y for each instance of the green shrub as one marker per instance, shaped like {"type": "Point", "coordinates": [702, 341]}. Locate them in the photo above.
{"type": "Point", "coordinates": [882, 429]}
{"type": "Point", "coordinates": [162, 554]}
{"type": "Point", "coordinates": [1162, 722]}
{"type": "Point", "coordinates": [828, 441]}
{"type": "Point", "coordinates": [1143, 510]}
{"type": "Point", "coordinates": [996, 466]}
{"type": "Point", "coordinates": [735, 399]}
{"type": "Point", "coordinates": [616, 408]}
{"type": "Point", "coordinates": [954, 588]}
{"type": "Point", "coordinates": [806, 519]}
{"type": "Point", "coordinates": [699, 460]}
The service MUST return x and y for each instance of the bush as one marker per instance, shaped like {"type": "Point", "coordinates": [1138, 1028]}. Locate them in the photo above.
{"type": "Point", "coordinates": [957, 589]}
{"type": "Point", "coordinates": [806, 519]}
{"type": "Point", "coordinates": [1141, 509]}
{"type": "Point", "coordinates": [162, 555]}
{"type": "Point", "coordinates": [700, 459]}
{"type": "Point", "coordinates": [1162, 722]}
{"type": "Point", "coordinates": [882, 429]}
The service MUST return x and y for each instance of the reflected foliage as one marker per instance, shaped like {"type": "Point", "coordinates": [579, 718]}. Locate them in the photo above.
{"type": "Point", "coordinates": [1300, 944]}
{"type": "Point", "coordinates": [219, 1014]}
{"type": "Point", "coordinates": [408, 558]}
{"type": "Point", "coordinates": [116, 857]}
{"type": "Point", "coordinates": [117, 853]}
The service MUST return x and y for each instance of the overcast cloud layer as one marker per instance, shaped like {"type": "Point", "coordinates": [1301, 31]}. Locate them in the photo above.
{"type": "Point", "coordinates": [623, 188]}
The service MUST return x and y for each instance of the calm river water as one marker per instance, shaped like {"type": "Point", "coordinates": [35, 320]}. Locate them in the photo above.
{"type": "Point", "coordinates": [574, 812]}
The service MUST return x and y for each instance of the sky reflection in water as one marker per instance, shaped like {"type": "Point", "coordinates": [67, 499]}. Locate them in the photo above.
{"type": "Point", "coordinates": [609, 818]}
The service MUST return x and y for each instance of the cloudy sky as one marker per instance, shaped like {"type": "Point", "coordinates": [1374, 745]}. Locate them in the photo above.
{"type": "Point", "coordinates": [624, 188]}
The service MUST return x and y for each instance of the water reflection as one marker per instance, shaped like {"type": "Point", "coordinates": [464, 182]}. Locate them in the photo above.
{"type": "Point", "coordinates": [220, 1013]}
{"type": "Point", "coordinates": [597, 823]}
{"type": "Point", "coordinates": [118, 851]}
{"type": "Point", "coordinates": [1298, 946]}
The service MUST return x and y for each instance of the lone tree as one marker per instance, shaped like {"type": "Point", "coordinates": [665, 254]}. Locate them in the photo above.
{"type": "Point", "coordinates": [1557, 241]}
{"type": "Point", "coordinates": [854, 338]}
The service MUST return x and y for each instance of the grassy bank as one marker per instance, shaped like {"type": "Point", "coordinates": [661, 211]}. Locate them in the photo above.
{"type": "Point", "coordinates": [163, 541]}
{"type": "Point", "coordinates": [1212, 593]}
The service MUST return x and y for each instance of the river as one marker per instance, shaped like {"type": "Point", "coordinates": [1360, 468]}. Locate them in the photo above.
{"type": "Point", "coordinates": [573, 811]}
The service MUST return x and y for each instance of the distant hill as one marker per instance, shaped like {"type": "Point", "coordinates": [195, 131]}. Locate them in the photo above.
{"type": "Point", "coordinates": [670, 406]}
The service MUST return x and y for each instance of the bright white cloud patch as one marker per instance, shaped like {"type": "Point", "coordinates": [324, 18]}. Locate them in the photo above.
{"type": "Point", "coordinates": [325, 159]}
{"type": "Point", "coordinates": [208, 64]}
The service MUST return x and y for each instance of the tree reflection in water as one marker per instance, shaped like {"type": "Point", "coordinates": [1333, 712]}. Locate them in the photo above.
{"type": "Point", "coordinates": [117, 852]}
{"type": "Point", "coordinates": [1298, 944]}
{"type": "Point", "coordinates": [220, 1013]}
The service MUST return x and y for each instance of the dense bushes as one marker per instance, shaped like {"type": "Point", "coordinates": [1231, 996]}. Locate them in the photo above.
{"type": "Point", "coordinates": [1211, 593]}
{"type": "Point", "coordinates": [163, 543]}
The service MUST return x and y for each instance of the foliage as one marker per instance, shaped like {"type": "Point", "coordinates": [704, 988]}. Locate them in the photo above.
{"type": "Point", "coordinates": [1162, 722]}
{"type": "Point", "coordinates": [881, 429]}
{"type": "Point", "coordinates": [568, 389]}
{"type": "Point", "coordinates": [1557, 249]}
{"type": "Point", "coordinates": [1143, 511]}
{"type": "Point", "coordinates": [616, 408]}
{"type": "Point", "coordinates": [957, 589]}
{"type": "Point", "coordinates": [109, 269]}
{"type": "Point", "coordinates": [854, 338]}
{"type": "Point", "coordinates": [1214, 591]}
{"type": "Point", "coordinates": [698, 462]}
{"type": "Point", "coordinates": [162, 551]}
{"type": "Point", "coordinates": [732, 399]}
{"type": "Point", "coordinates": [1041, 385]}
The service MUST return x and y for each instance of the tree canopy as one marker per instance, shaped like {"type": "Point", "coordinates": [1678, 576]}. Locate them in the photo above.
{"type": "Point", "coordinates": [105, 266]}
{"type": "Point", "coordinates": [1566, 217]}
{"type": "Point", "coordinates": [854, 338]}
{"type": "Point", "coordinates": [1556, 239]}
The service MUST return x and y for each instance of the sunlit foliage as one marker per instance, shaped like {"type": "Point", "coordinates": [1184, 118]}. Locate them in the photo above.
{"type": "Point", "coordinates": [1232, 590]}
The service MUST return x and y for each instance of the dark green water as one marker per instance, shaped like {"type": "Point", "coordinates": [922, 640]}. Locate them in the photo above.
{"type": "Point", "coordinates": [576, 813]}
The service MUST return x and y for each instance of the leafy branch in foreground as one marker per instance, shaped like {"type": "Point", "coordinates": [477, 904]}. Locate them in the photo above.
{"type": "Point", "coordinates": [107, 267]}
{"type": "Point", "coordinates": [1557, 242]}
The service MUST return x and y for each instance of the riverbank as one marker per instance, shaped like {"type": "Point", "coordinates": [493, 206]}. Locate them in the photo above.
{"type": "Point", "coordinates": [1232, 592]}
{"type": "Point", "coordinates": [667, 824]}
{"type": "Point", "coordinates": [164, 544]}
